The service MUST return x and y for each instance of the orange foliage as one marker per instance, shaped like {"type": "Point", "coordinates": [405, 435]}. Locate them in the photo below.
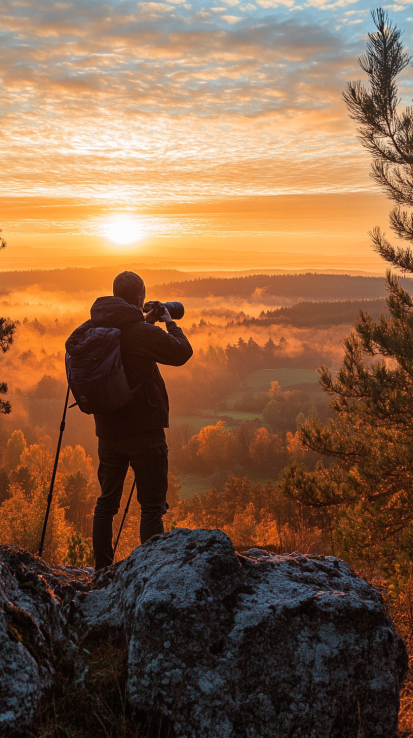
{"type": "Point", "coordinates": [215, 444]}
{"type": "Point", "coordinates": [295, 447]}
{"type": "Point", "coordinates": [21, 523]}
{"type": "Point", "coordinates": [264, 446]}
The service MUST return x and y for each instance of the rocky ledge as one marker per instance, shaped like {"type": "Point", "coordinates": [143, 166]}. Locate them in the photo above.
{"type": "Point", "coordinates": [221, 644]}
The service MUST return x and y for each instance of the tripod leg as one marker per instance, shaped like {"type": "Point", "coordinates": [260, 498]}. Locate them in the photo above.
{"type": "Point", "coordinates": [124, 517]}
{"type": "Point", "coordinates": [52, 481]}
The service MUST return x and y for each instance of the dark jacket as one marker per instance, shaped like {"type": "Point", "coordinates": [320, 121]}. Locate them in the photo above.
{"type": "Point", "coordinates": [142, 345]}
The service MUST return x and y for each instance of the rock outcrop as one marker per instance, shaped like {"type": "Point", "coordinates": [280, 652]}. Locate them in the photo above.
{"type": "Point", "coordinates": [221, 644]}
{"type": "Point", "coordinates": [34, 634]}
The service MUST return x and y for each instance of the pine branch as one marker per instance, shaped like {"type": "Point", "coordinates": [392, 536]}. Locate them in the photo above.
{"type": "Point", "coordinates": [397, 256]}
{"type": "Point", "coordinates": [396, 182]}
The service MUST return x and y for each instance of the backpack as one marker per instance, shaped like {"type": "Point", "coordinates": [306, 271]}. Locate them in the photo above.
{"type": "Point", "coordinates": [94, 369]}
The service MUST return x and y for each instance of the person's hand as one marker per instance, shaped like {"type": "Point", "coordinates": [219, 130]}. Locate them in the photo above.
{"type": "Point", "coordinates": [151, 317]}
{"type": "Point", "coordinates": [165, 318]}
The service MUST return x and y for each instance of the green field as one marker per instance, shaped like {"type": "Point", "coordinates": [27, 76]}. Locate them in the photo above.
{"type": "Point", "coordinates": [236, 415]}
{"type": "Point", "coordinates": [195, 422]}
{"type": "Point", "coordinates": [259, 381]}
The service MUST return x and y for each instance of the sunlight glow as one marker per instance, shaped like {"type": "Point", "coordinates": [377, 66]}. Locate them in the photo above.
{"type": "Point", "coordinates": [123, 230]}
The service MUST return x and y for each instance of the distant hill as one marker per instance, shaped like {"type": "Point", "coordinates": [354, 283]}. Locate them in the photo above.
{"type": "Point", "coordinates": [318, 314]}
{"type": "Point", "coordinates": [172, 284]}
{"type": "Point", "coordinates": [79, 279]}
{"type": "Point", "coordinates": [306, 286]}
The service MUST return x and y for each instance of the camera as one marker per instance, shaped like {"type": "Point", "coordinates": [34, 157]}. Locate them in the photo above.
{"type": "Point", "coordinates": [175, 309]}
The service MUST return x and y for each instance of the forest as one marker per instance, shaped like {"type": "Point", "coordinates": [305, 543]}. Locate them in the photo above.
{"type": "Point", "coordinates": [235, 412]}
{"type": "Point", "coordinates": [291, 286]}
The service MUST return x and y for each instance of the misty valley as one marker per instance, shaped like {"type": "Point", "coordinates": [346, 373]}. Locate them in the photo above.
{"type": "Point", "coordinates": [235, 407]}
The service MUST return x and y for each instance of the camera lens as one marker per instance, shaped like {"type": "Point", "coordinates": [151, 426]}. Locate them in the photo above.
{"type": "Point", "coordinates": [175, 309]}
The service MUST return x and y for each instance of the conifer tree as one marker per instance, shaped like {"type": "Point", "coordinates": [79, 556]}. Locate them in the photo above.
{"type": "Point", "coordinates": [365, 481]}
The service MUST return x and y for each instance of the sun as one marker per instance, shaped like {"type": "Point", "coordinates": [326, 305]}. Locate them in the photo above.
{"type": "Point", "coordinates": [123, 230]}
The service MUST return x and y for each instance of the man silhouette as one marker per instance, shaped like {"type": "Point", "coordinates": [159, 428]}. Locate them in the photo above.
{"type": "Point", "coordinates": [135, 434]}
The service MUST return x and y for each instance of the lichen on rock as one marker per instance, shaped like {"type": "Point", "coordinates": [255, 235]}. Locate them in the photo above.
{"type": "Point", "coordinates": [246, 645]}
{"type": "Point", "coordinates": [34, 633]}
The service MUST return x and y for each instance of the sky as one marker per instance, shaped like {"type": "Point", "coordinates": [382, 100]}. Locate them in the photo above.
{"type": "Point", "coordinates": [216, 125]}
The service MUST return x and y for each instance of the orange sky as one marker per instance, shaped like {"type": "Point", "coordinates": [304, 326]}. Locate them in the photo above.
{"type": "Point", "coordinates": [285, 231]}
{"type": "Point", "coordinates": [216, 126]}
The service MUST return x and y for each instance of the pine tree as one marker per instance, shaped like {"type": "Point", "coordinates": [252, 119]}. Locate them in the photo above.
{"type": "Point", "coordinates": [365, 481]}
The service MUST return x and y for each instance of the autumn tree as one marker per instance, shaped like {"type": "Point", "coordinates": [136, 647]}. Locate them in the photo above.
{"type": "Point", "coordinates": [21, 522]}
{"type": "Point", "coordinates": [252, 515]}
{"type": "Point", "coordinates": [78, 502]}
{"type": "Point", "coordinates": [79, 495]}
{"type": "Point", "coordinates": [16, 445]}
{"type": "Point", "coordinates": [266, 449]}
{"type": "Point", "coordinates": [214, 445]}
{"type": "Point", "coordinates": [365, 480]}
{"type": "Point", "coordinates": [24, 484]}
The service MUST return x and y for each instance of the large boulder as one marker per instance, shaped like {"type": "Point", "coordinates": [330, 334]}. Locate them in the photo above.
{"type": "Point", "coordinates": [219, 644]}
{"type": "Point", "coordinates": [34, 634]}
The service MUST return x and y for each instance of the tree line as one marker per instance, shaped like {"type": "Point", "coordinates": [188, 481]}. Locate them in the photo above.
{"type": "Point", "coordinates": [308, 286]}
{"type": "Point", "coordinates": [315, 314]}
{"type": "Point", "coordinates": [78, 279]}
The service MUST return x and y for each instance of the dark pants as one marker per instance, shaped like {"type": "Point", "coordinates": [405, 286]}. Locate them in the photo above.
{"type": "Point", "coordinates": [148, 457]}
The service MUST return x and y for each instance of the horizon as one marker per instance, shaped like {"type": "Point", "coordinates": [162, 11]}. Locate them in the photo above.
{"type": "Point", "coordinates": [271, 237]}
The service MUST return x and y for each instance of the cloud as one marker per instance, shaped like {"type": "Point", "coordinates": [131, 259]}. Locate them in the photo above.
{"type": "Point", "coordinates": [394, 8]}
{"type": "Point", "coordinates": [154, 100]}
{"type": "Point", "coordinates": [327, 5]}
{"type": "Point", "coordinates": [275, 3]}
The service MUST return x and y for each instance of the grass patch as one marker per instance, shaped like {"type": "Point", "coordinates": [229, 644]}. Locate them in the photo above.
{"type": "Point", "coordinates": [196, 422]}
{"type": "Point", "coordinates": [232, 417]}
{"type": "Point", "coordinates": [193, 484]}
{"type": "Point", "coordinates": [259, 381]}
{"type": "Point", "coordinates": [94, 702]}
